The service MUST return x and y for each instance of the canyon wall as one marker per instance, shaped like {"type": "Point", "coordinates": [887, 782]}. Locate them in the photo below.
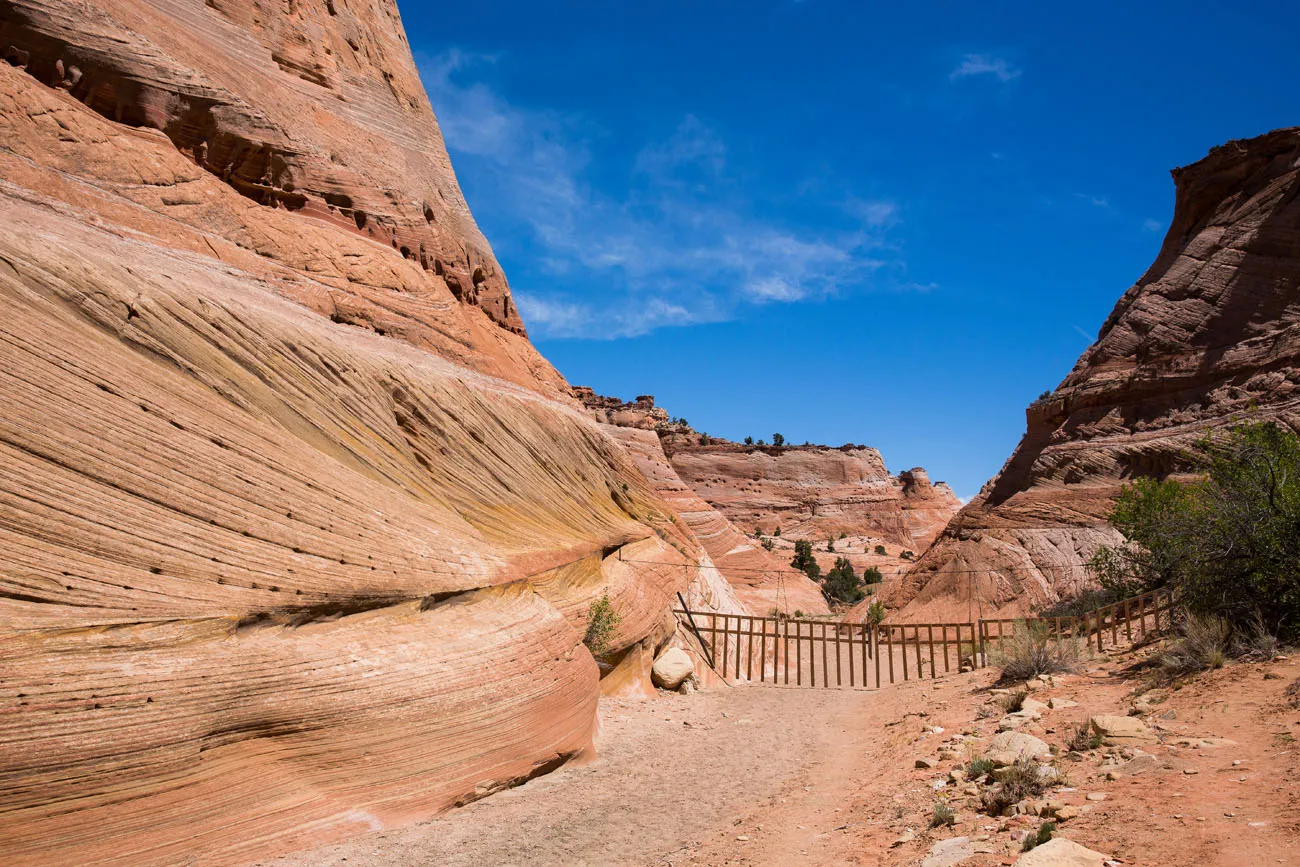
{"type": "Point", "coordinates": [761, 579]}
{"type": "Point", "coordinates": [1208, 338]}
{"type": "Point", "coordinates": [298, 531]}
{"type": "Point", "coordinates": [814, 492]}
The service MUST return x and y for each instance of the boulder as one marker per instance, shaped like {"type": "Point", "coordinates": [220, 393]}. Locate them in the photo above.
{"type": "Point", "coordinates": [1019, 743]}
{"type": "Point", "coordinates": [1118, 731]}
{"type": "Point", "coordinates": [671, 668]}
{"type": "Point", "coordinates": [1060, 852]}
{"type": "Point", "coordinates": [948, 853]}
{"type": "Point", "coordinates": [1033, 706]}
{"type": "Point", "coordinates": [1060, 703]}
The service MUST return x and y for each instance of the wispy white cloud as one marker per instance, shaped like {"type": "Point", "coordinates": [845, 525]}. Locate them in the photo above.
{"type": "Point", "coordinates": [674, 242]}
{"type": "Point", "coordinates": [1150, 225]}
{"type": "Point", "coordinates": [984, 64]}
{"type": "Point", "coordinates": [1095, 201]}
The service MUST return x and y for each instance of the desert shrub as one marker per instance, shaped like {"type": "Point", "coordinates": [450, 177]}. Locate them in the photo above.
{"type": "Point", "coordinates": [830, 546]}
{"type": "Point", "coordinates": [602, 620]}
{"type": "Point", "coordinates": [1019, 781]}
{"type": "Point", "coordinates": [907, 555]}
{"type": "Point", "coordinates": [875, 613]}
{"type": "Point", "coordinates": [804, 560]}
{"type": "Point", "coordinates": [943, 815]}
{"type": "Point", "coordinates": [841, 584]}
{"type": "Point", "coordinates": [1014, 701]}
{"type": "Point", "coordinates": [798, 613]}
{"type": "Point", "coordinates": [749, 441]}
{"type": "Point", "coordinates": [1044, 396]}
{"type": "Point", "coordinates": [843, 535]}
{"type": "Point", "coordinates": [1031, 650]}
{"type": "Point", "coordinates": [778, 439]}
{"type": "Point", "coordinates": [1227, 543]}
{"type": "Point", "coordinates": [768, 544]}
{"type": "Point", "coordinates": [1202, 643]}
{"type": "Point", "coordinates": [880, 550]}
{"type": "Point", "coordinates": [1257, 641]}
{"type": "Point", "coordinates": [977, 768]}
{"type": "Point", "coordinates": [776, 532]}
{"type": "Point", "coordinates": [1084, 738]}
{"type": "Point", "coordinates": [872, 575]}
{"type": "Point", "coordinates": [1037, 838]}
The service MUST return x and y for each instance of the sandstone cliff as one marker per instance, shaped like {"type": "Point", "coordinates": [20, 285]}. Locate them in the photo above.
{"type": "Point", "coordinates": [814, 492]}
{"type": "Point", "coordinates": [762, 580]}
{"type": "Point", "coordinates": [298, 529]}
{"type": "Point", "coordinates": [1207, 338]}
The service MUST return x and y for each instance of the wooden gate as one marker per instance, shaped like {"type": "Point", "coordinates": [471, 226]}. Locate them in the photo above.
{"type": "Point", "coordinates": [809, 652]}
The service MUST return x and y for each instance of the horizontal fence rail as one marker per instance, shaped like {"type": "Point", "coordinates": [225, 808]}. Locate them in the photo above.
{"type": "Point", "coordinates": [828, 653]}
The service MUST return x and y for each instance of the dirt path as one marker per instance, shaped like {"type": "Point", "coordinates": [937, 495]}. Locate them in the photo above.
{"type": "Point", "coordinates": [673, 775]}
{"type": "Point", "coordinates": [764, 776]}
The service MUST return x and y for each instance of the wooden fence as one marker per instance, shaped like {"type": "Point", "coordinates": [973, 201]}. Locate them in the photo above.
{"type": "Point", "coordinates": [829, 653]}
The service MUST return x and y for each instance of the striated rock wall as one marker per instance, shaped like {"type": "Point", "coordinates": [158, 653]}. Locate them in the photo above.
{"type": "Point", "coordinates": [297, 537]}
{"type": "Point", "coordinates": [761, 579]}
{"type": "Point", "coordinates": [814, 492]}
{"type": "Point", "coordinates": [1209, 337]}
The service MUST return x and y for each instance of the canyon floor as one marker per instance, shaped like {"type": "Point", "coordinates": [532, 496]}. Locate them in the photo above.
{"type": "Point", "coordinates": [776, 776]}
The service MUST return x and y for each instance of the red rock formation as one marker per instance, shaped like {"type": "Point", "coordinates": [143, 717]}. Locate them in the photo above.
{"type": "Point", "coordinates": [1208, 338]}
{"type": "Point", "coordinates": [298, 528]}
{"type": "Point", "coordinates": [761, 580]}
{"type": "Point", "coordinates": [814, 492]}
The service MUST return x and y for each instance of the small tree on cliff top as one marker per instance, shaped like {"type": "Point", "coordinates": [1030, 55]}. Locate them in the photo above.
{"type": "Point", "coordinates": [778, 439]}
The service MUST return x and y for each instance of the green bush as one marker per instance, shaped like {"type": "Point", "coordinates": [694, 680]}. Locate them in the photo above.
{"type": "Point", "coordinates": [841, 584]}
{"type": "Point", "coordinates": [1227, 543]}
{"type": "Point", "coordinates": [872, 575]}
{"type": "Point", "coordinates": [875, 613]}
{"type": "Point", "coordinates": [778, 439]}
{"type": "Point", "coordinates": [749, 441]}
{"type": "Point", "coordinates": [602, 620]}
{"type": "Point", "coordinates": [977, 768]}
{"type": "Point", "coordinates": [943, 815]}
{"type": "Point", "coordinates": [880, 550]}
{"type": "Point", "coordinates": [804, 560]}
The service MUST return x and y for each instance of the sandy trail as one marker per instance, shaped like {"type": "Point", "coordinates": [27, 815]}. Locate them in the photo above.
{"type": "Point", "coordinates": [673, 774]}
{"type": "Point", "coordinates": [764, 776]}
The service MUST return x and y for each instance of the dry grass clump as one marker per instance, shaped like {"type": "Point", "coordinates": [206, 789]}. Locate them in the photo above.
{"type": "Point", "coordinates": [977, 768]}
{"type": "Point", "coordinates": [1038, 838]}
{"type": "Point", "coordinates": [1014, 702]}
{"type": "Point", "coordinates": [1292, 693]}
{"type": "Point", "coordinates": [1019, 781]}
{"type": "Point", "coordinates": [1084, 738]}
{"type": "Point", "coordinates": [1032, 650]}
{"type": "Point", "coordinates": [1256, 642]}
{"type": "Point", "coordinates": [1203, 643]}
{"type": "Point", "coordinates": [943, 815]}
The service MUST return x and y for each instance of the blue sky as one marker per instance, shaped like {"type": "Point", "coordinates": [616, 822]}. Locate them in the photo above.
{"type": "Point", "coordinates": [891, 224]}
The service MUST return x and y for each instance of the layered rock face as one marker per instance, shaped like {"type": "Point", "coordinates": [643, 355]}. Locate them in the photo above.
{"type": "Point", "coordinates": [1208, 338]}
{"type": "Point", "coordinates": [761, 580]}
{"type": "Point", "coordinates": [298, 529]}
{"type": "Point", "coordinates": [814, 492]}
